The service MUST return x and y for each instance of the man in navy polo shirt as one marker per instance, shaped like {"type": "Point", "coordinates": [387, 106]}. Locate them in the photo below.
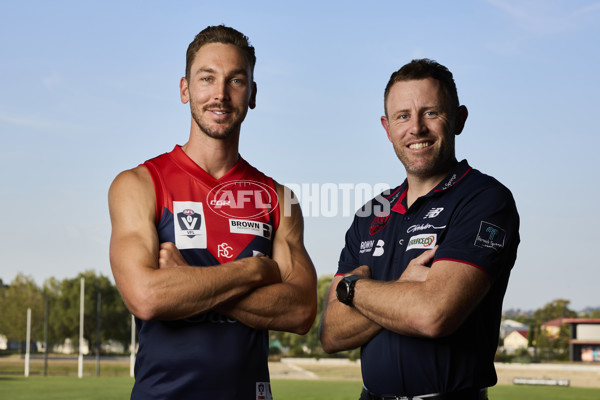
{"type": "Point", "coordinates": [422, 276]}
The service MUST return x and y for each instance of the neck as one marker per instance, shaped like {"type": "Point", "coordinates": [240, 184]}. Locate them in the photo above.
{"type": "Point", "coordinates": [420, 185]}
{"type": "Point", "coordinates": [215, 156]}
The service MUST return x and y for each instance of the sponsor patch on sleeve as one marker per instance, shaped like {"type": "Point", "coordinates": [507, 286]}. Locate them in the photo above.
{"type": "Point", "coordinates": [490, 236]}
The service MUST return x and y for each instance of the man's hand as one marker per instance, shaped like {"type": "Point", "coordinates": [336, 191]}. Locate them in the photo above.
{"type": "Point", "coordinates": [363, 271]}
{"type": "Point", "coordinates": [418, 269]}
{"type": "Point", "coordinates": [169, 256]}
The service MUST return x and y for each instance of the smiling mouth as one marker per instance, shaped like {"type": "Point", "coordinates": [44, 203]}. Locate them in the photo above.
{"type": "Point", "coordinates": [420, 145]}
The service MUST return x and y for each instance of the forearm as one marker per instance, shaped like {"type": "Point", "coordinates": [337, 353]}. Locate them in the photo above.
{"type": "Point", "coordinates": [344, 328]}
{"type": "Point", "coordinates": [401, 307]}
{"type": "Point", "coordinates": [282, 306]}
{"type": "Point", "coordinates": [183, 291]}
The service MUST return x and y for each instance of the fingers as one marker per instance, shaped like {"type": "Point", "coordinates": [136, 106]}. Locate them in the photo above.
{"type": "Point", "coordinates": [363, 271]}
{"type": "Point", "coordinates": [426, 257]}
{"type": "Point", "coordinates": [169, 256]}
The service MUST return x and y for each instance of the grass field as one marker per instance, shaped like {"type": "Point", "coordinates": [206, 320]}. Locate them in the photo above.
{"type": "Point", "coordinates": [335, 383]}
{"type": "Point", "coordinates": [107, 388]}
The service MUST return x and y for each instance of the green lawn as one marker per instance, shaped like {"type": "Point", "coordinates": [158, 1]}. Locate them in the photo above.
{"type": "Point", "coordinates": [106, 388]}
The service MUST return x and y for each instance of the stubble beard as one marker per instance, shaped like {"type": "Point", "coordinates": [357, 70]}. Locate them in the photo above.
{"type": "Point", "coordinates": [218, 130]}
{"type": "Point", "coordinates": [440, 162]}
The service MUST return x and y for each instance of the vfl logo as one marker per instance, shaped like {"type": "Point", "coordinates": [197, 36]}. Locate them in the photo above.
{"type": "Point", "coordinates": [189, 225]}
{"type": "Point", "coordinates": [189, 221]}
{"type": "Point", "coordinates": [225, 250]}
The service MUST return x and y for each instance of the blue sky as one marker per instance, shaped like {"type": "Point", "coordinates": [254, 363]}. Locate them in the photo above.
{"type": "Point", "coordinates": [88, 89]}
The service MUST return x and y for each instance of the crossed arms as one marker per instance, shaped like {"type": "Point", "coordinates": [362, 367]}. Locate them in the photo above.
{"type": "Point", "coordinates": [426, 302]}
{"type": "Point", "coordinates": [276, 293]}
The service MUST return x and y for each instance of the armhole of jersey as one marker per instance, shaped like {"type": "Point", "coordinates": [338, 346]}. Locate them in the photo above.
{"type": "Point", "coordinates": [158, 189]}
{"type": "Point", "coordinates": [277, 214]}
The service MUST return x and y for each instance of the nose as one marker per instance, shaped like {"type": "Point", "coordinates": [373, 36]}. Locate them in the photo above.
{"type": "Point", "coordinates": [417, 125]}
{"type": "Point", "coordinates": [221, 92]}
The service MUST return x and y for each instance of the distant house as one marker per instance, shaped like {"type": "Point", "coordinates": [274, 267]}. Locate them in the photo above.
{"type": "Point", "coordinates": [509, 325]}
{"type": "Point", "coordinates": [516, 340]}
{"type": "Point", "coordinates": [552, 328]}
{"type": "Point", "coordinates": [584, 343]}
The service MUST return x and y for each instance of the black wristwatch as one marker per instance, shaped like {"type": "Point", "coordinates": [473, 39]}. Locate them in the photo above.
{"type": "Point", "coordinates": [345, 289]}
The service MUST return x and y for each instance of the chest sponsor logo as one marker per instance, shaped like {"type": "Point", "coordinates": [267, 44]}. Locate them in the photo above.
{"type": "Point", "coordinates": [378, 224]}
{"type": "Point", "coordinates": [242, 199]}
{"type": "Point", "coordinates": [251, 228]}
{"type": "Point", "coordinates": [189, 225]}
{"type": "Point", "coordinates": [423, 227]}
{"type": "Point", "coordinates": [490, 236]}
{"type": "Point", "coordinates": [224, 250]}
{"type": "Point", "coordinates": [379, 248]}
{"type": "Point", "coordinates": [368, 245]}
{"type": "Point", "coordinates": [424, 241]}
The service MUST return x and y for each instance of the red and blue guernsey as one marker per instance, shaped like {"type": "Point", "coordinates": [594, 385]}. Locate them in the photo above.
{"type": "Point", "coordinates": [211, 221]}
{"type": "Point", "coordinates": [473, 219]}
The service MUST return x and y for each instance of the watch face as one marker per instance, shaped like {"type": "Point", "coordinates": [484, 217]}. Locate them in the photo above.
{"type": "Point", "coordinates": [342, 290]}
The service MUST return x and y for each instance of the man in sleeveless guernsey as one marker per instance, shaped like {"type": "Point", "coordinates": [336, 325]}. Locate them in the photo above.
{"type": "Point", "coordinates": [421, 280]}
{"type": "Point", "coordinates": [203, 250]}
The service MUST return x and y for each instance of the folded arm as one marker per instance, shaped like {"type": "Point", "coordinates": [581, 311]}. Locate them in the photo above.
{"type": "Point", "coordinates": [289, 305]}
{"type": "Point", "coordinates": [433, 308]}
{"type": "Point", "coordinates": [151, 292]}
{"type": "Point", "coordinates": [426, 302]}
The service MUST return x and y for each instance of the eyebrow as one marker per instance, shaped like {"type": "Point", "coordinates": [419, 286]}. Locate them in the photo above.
{"type": "Point", "coordinates": [239, 71]}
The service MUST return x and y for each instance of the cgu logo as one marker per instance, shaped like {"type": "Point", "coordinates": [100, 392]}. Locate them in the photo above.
{"type": "Point", "coordinates": [242, 199]}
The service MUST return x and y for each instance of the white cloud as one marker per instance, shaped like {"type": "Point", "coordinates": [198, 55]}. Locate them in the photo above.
{"type": "Point", "coordinates": [546, 17]}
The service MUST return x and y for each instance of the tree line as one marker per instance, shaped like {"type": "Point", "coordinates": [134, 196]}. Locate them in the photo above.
{"type": "Point", "coordinates": [61, 301]}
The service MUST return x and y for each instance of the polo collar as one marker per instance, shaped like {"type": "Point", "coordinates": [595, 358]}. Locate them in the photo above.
{"type": "Point", "coordinates": [398, 198]}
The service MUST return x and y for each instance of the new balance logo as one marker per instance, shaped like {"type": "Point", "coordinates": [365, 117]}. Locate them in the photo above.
{"type": "Point", "coordinates": [434, 212]}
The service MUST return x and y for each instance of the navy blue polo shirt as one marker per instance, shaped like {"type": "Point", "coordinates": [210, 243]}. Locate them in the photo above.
{"type": "Point", "coordinates": [473, 219]}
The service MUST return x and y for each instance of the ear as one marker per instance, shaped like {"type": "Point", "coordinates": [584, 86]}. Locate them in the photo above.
{"type": "Point", "coordinates": [252, 102]}
{"type": "Point", "coordinates": [461, 117]}
{"type": "Point", "coordinates": [386, 125]}
{"type": "Point", "coordinates": [184, 91]}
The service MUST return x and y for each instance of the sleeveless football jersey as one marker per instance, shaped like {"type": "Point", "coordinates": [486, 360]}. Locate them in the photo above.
{"type": "Point", "coordinates": [211, 221]}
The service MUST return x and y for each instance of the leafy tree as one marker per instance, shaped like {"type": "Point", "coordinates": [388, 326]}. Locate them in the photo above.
{"type": "Point", "coordinates": [558, 308]}
{"type": "Point", "coordinates": [15, 299]}
{"type": "Point", "coordinates": [301, 345]}
{"type": "Point", "coordinates": [65, 309]}
{"type": "Point", "coordinates": [551, 346]}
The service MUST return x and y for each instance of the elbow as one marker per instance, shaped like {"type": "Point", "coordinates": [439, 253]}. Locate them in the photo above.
{"type": "Point", "coordinates": [143, 304]}
{"type": "Point", "coordinates": [329, 346]}
{"type": "Point", "coordinates": [305, 320]}
{"type": "Point", "coordinates": [329, 342]}
{"type": "Point", "coordinates": [142, 309]}
{"type": "Point", "coordinates": [436, 323]}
